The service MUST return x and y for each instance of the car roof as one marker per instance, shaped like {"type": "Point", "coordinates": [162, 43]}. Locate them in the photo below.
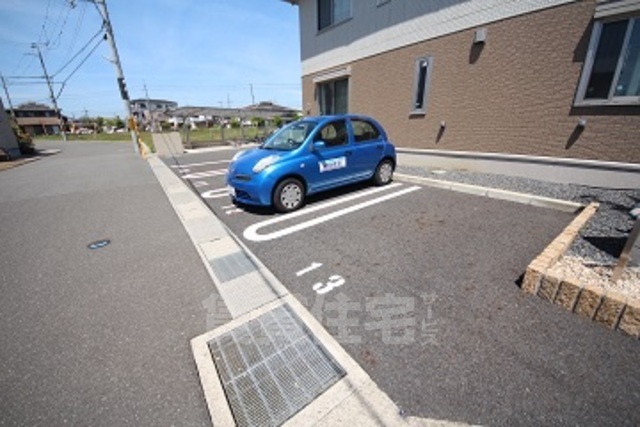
{"type": "Point", "coordinates": [326, 118]}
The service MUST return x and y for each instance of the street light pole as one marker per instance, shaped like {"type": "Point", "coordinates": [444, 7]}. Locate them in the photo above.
{"type": "Point", "coordinates": [102, 8]}
{"type": "Point", "coordinates": [53, 97]}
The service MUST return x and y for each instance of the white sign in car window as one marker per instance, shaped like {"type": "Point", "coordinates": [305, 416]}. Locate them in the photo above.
{"type": "Point", "coordinates": [333, 164]}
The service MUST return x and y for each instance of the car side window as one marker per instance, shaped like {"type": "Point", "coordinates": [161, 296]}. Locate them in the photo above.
{"type": "Point", "coordinates": [333, 134]}
{"type": "Point", "coordinates": [364, 131]}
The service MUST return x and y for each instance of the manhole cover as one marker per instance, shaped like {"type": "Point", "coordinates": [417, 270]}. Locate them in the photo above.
{"type": "Point", "coordinates": [98, 244]}
{"type": "Point", "coordinates": [271, 368]}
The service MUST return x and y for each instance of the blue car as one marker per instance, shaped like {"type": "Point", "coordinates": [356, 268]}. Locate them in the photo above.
{"type": "Point", "coordinates": [308, 156]}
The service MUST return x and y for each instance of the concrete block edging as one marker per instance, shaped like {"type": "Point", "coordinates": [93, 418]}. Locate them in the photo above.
{"type": "Point", "coordinates": [610, 308]}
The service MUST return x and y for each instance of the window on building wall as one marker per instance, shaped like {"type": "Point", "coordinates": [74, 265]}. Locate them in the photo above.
{"type": "Point", "coordinates": [611, 72]}
{"type": "Point", "coordinates": [331, 12]}
{"type": "Point", "coordinates": [422, 77]}
{"type": "Point", "coordinates": [333, 97]}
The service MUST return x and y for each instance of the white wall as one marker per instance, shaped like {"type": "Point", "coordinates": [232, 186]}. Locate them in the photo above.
{"type": "Point", "coordinates": [7, 139]}
{"type": "Point", "coordinates": [397, 23]}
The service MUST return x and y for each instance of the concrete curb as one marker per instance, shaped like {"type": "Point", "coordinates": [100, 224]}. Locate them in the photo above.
{"type": "Point", "coordinates": [612, 309]}
{"type": "Point", "coordinates": [494, 193]}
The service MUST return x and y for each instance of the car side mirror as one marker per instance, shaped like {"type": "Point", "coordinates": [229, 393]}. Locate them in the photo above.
{"type": "Point", "coordinates": [319, 145]}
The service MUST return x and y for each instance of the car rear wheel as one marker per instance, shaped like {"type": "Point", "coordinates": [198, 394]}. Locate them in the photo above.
{"type": "Point", "coordinates": [384, 173]}
{"type": "Point", "coordinates": [289, 195]}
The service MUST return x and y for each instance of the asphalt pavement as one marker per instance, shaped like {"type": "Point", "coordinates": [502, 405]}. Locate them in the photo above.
{"type": "Point", "coordinates": [96, 337]}
{"type": "Point", "coordinates": [419, 285]}
{"type": "Point", "coordinates": [461, 341]}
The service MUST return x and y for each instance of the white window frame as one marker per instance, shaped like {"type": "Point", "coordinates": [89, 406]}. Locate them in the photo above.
{"type": "Point", "coordinates": [580, 100]}
{"type": "Point", "coordinates": [422, 110]}
{"type": "Point", "coordinates": [334, 22]}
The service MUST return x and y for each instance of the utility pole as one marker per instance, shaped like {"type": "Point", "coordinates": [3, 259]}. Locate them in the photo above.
{"type": "Point", "coordinates": [53, 97]}
{"type": "Point", "coordinates": [253, 98]}
{"type": "Point", "coordinates": [151, 118]}
{"type": "Point", "coordinates": [6, 92]}
{"type": "Point", "coordinates": [102, 8]}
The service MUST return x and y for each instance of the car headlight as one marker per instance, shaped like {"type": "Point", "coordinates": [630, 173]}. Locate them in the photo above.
{"type": "Point", "coordinates": [265, 163]}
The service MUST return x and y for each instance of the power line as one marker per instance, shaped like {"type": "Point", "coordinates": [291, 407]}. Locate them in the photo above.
{"type": "Point", "coordinates": [76, 31]}
{"type": "Point", "coordinates": [78, 67]}
{"type": "Point", "coordinates": [100, 32]}
{"type": "Point", "coordinates": [44, 23]}
{"type": "Point", "coordinates": [56, 43]}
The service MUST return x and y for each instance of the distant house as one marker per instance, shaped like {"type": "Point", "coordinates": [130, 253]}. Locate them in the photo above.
{"type": "Point", "coordinates": [148, 111]}
{"type": "Point", "coordinates": [37, 119]}
{"type": "Point", "coordinates": [269, 111]}
{"type": "Point", "coordinates": [536, 79]}
{"type": "Point", "coordinates": [200, 117]}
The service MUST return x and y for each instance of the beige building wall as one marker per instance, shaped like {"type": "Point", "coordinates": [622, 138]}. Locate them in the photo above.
{"type": "Point", "coordinates": [514, 94]}
{"type": "Point", "coordinates": [8, 141]}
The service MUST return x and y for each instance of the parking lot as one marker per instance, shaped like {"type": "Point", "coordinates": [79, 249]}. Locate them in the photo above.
{"type": "Point", "coordinates": [420, 286]}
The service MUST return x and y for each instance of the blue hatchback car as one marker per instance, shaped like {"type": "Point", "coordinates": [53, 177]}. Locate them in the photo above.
{"type": "Point", "coordinates": [308, 156]}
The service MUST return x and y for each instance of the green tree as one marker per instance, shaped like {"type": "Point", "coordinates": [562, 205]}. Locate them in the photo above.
{"type": "Point", "coordinates": [99, 124]}
{"type": "Point", "coordinates": [25, 143]}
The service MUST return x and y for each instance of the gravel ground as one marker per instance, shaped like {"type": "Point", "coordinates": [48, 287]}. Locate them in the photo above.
{"type": "Point", "coordinates": [603, 237]}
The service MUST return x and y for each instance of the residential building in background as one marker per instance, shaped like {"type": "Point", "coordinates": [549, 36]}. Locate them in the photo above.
{"type": "Point", "coordinates": [537, 79]}
{"type": "Point", "coordinates": [265, 112]}
{"type": "Point", "coordinates": [150, 111]}
{"type": "Point", "coordinates": [38, 119]}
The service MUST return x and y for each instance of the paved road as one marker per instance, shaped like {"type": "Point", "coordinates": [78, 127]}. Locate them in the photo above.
{"type": "Point", "coordinates": [96, 337]}
{"type": "Point", "coordinates": [422, 293]}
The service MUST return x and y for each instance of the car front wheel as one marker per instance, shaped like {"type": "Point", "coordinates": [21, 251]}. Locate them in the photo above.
{"type": "Point", "coordinates": [384, 173]}
{"type": "Point", "coordinates": [289, 195]}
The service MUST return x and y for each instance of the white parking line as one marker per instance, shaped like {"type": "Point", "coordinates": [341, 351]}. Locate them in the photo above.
{"type": "Point", "coordinates": [199, 184]}
{"type": "Point", "coordinates": [217, 162]}
{"type": "Point", "coordinates": [251, 233]}
{"type": "Point", "coordinates": [205, 174]}
{"type": "Point", "coordinates": [215, 194]}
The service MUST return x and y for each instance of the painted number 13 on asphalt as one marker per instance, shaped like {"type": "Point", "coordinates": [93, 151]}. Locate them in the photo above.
{"type": "Point", "coordinates": [321, 287]}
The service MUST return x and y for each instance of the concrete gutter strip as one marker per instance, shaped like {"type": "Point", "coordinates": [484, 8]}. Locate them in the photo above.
{"type": "Point", "coordinates": [354, 400]}
{"type": "Point", "coordinates": [494, 193]}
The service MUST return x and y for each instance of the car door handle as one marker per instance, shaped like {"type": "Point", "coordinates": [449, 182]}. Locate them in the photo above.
{"type": "Point", "coordinates": [378, 147]}
{"type": "Point", "coordinates": [348, 153]}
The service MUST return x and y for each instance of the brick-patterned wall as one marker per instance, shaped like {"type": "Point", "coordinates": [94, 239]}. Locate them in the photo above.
{"type": "Point", "coordinates": [513, 95]}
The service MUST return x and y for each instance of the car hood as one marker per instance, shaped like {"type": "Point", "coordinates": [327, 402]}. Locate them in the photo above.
{"type": "Point", "coordinates": [247, 160]}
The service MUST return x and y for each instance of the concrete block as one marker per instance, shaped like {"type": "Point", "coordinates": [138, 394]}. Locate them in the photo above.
{"type": "Point", "coordinates": [531, 281]}
{"type": "Point", "coordinates": [549, 287]}
{"type": "Point", "coordinates": [630, 320]}
{"type": "Point", "coordinates": [589, 301]}
{"type": "Point", "coordinates": [610, 310]}
{"type": "Point", "coordinates": [567, 294]}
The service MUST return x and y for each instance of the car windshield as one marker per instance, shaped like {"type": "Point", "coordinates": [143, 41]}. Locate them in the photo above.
{"type": "Point", "coordinates": [290, 137]}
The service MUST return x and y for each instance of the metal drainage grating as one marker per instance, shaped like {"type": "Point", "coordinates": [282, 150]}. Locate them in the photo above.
{"type": "Point", "coordinates": [271, 368]}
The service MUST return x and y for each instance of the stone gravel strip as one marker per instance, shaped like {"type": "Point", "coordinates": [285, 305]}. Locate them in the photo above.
{"type": "Point", "coordinates": [494, 193]}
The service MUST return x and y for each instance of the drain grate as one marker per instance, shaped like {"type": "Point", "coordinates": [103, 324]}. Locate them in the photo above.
{"type": "Point", "coordinates": [271, 368]}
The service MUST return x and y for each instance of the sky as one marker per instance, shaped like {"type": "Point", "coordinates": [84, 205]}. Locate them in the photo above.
{"type": "Point", "coordinates": [196, 53]}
